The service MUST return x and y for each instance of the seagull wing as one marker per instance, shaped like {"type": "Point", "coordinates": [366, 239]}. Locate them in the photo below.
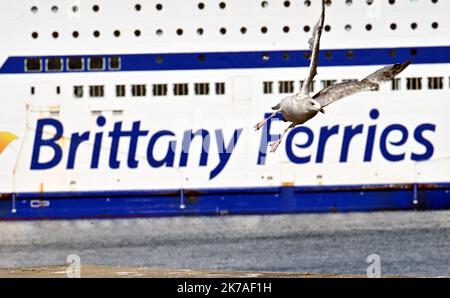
{"type": "Point", "coordinates": [372, 82]}
{"type": "Point", "coordinates": [314, 45]}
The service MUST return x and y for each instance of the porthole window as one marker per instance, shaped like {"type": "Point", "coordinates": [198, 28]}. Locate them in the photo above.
{"type": "Point", "coordinates": [55, 34]}
{"type": "Point", "coordinates": [75, 64]}
{"type": "Point", "coordinates": [34, 35]}
{"type": "Point", "coordinates": [159, 6]}
{"type": "Point", "coordinates": [137, 33]}
{"type": "Point", "coordinates": [138, 7]}
{"type": "Point", "coordinates": [75, 34]}
{"type": "Point", "coordinates": [34, 9]}
{"type": "Point", "coordinates": [116, 33]}
{"type": "Point", "coordinates": [95, 8]}
{"type": "Point", "coordinates": [96, 33]}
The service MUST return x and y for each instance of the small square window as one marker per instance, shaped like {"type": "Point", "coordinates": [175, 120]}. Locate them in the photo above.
{"type": "Point", "coordinates": [436, 83]}
{"type": "Point", "coordinates": [138, 90]}
{"type": "Point", "coordinates": [96, 91]}
{"type": "Point", "coordinates": [414, 83]}
{"type": "Point", "coordinates": [159, 89]}
{"type": "Point", "coordinates": [311, 86]}
{"type": "Point", "coordinates": [220, 88]}
{"type": "Point", "coordinates": [286, 86]}
{"type": "Point", "coordinates": [120, 90]}
{"type": "Point", "coordinates": [201, 88]}
{"type": "Point", "coordinates": [328, 83]}
{"type": "Point", "coordinates": [33, 65]}
{"type": "Point", "coordinates": [267, 87]}
{"type": "Point", "coordinates": [396, 84]}
{"type": "Point", "coordinates": [115, 63]}
{"type": "Point", "coordinates": [75, 64]}
{"type": "Point", "coordinates": [96, 63]}
{"type": "Point", "coordinates": [78, 91]}
{"type": "Point", "coordinates": [54, 64]}
{"type": "Point", "coordinates": [180, 89]}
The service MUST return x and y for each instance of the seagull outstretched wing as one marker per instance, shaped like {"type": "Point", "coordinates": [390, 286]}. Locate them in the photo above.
{"type": "Point", "coordinates": [372, 82]}
{"type": "Point", "coordinates": [314, 45]}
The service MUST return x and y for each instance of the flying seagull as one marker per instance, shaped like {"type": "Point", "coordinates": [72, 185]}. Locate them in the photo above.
{"type": "Point", "coordinates": [301, 107]}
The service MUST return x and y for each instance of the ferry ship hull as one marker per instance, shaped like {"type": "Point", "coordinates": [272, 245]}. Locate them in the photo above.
{"type": "Point", "coordinates": [98, 122]}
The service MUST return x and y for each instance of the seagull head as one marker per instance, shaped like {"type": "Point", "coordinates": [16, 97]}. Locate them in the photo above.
{"type": "Point", "coordinates": [316, 106]}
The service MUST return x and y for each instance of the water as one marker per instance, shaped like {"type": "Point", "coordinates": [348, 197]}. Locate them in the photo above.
{"type": "Point", "coordinates": [408, 243]}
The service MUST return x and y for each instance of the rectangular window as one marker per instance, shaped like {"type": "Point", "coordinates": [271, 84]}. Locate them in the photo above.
{"type": "Point", "coordinates": [414, 84]}
{"type": "Point", "coordinates": [96, 63]}
{"type": "Point", "coordinates": [435, 83]}
{"type": "Point", "coordinates": [311, 86]}
{"type": "Point", "coordinates": [201, 88]}
{"type": "Point", "coordinates": [120, 90]}
{"type": "Point", "coordinates": [396, 84]}
{"type": "Point", "coordinates": [328, 83]}
{"type": "Point", "coordinates": [138, 90]}
{"type": "Point", "coordinates": [180, 89]}
{"type": "Point", "coordinates": [75, 64]}
{"type": "Point", "coordinates": [159, 89]}
{"type": "Point", "coordinates": [286, 86]}
{"type": "Point", "coordinates": [114, 63]}
{"type": "Point", "coordinates": [349, 80]}
{"type": "Point", "coordinates": [32, 90]}
{"type": "Point", "coordinates": [267, 87]}
{"type": "Point", "coordinates": [220, 88]}
{"type": "Point", "coordinates": [96, 91]}
{"type": "Point", "coordinates": [33, 65]}
{"type": "Point", "coordinates": [54, 64]}
{"type": "Point", "coordinates": [58, 90]}
{"type": "Point", "coordinates": [78, 91]}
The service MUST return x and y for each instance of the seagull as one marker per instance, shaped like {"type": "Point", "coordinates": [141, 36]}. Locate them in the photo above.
{"type": "Point", "coordinates": [301, 107]}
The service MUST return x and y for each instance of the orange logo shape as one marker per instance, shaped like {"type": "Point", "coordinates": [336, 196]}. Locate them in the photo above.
{"type": "Point", "coordinates": [5, 139]}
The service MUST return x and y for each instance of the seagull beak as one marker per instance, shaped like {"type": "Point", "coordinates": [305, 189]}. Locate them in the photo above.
{"type": "Point", "coordinates": [322, 110]}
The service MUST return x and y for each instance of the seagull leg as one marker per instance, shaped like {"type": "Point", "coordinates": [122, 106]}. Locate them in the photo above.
{"type": "Point", "coordinates": [274, 145]}
{"type": "Point", "coordinates": [261, 124]}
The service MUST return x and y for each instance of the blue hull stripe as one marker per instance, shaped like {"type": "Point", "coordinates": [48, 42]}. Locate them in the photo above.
{"type": "Point", "coordinates": [270, 200]}
{"type": "Point", "coordinates": [241, 60]}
